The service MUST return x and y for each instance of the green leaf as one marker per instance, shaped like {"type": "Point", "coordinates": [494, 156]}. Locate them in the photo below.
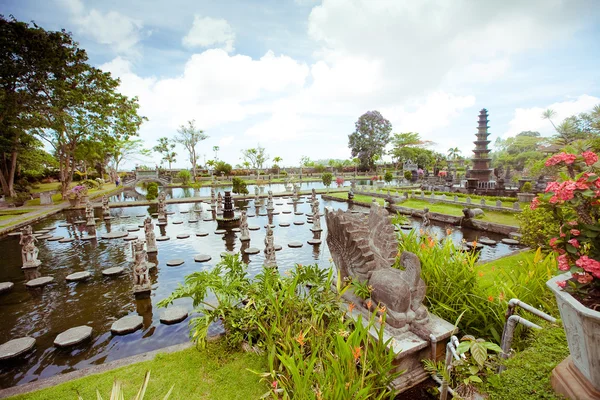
{"type": "Point", "coordinates": [475, 378]}
{"type": "Point", "coordinates": [463, 347]}
{"type": "Point", "coordinates": [492, 346]}
{"type": "Point", "coordinates": [473, 369]}
{"type": "Point", "coordinates": [479, 353]}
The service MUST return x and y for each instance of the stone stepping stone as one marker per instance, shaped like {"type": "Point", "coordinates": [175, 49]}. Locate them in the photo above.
{"type": "Point", "coordinates": [252, 250]}
{"type": "Point", "coordinates": [278, 204]}
{"type": "Point", "coordinates": [143, 215]}
{"type": "Point", "coordinates": [290, 202]}
{"type": "Point", "coordinates": [126, 325]}
{"type": "Point", "coordinates": [14, 234]}
{"type": "Point", "coordinates": [298, 222]}
{"type": "Point", "coordinates": [510, 241]}
{"type": "Point", "coordinates": [272, 226]}
{"type": "Point", "coordinates": [298, 213]}
{"type": "Point", "coordinates": [316, 230]}
{"type": "Point", "coordinates": [183, 236]}
{"type": "Point", "coordinates": [183, 212]}
{"type": "Point", "coordinates": [262, 214]}
{"type": "Point", "coordinates": [515, 235]}
{"type": "Point", "coordinates": [250, 215]}
{"type": "Point", "coordinates": [476, 246]}
{"type": "Point", "coordinates": [175, 262]}
{"type": "Point", "coordinates": [202, 258]}
{"type": "Point", "coordinates": [275, 213]}
{"type": "Point", "coordinates": [45, 236]}
{"type": "Point", "coordinates": [487, 241]}
{"type": "Point", "coordinates": [162, 238]}
{"type": "Point", "coordinates": [132, 229]}
{"type": "Point", "coordinates": [284, 224]}
{"type": "Point", "coordinates": [73, 336]}
{"type": "Point", "coordinates": [80, 221]}
{"type": "Point", "coordinates": [236, 230]}
{"type": "Point", "coordinates": [64, 225]}
{"type": "Point", "coordinates": [107, 218]}
{"type": "Point", "coordinates": [406, 227]}
{"type": "Point", "coordinates": [125, 216]}
{"type": "Point", "coordinates": [66, 240]}
{"type": "Point", "coordinates": [140, 226]}
{"type": "Point", "coordinates": [113, 271]}
{"type": "Point", "coordinates": [314, 241]}
{"type": "Point", "coordinates": [50, 228]}
{"type": "Point", "coordinates": [129, 238]}
{"type": "Point", "coordinates": [115, 235]}
{"type": "Point", "coordinates": [177, 222]}
{"type": "Point", "coordinates": [173, 315]}
{"type": "Point", "coordinates": [42, 231]}
{"type": "Point", "coordinates": [55, 238]}
{"type": "Point", "coordinates": [88, 237]}
{"type": "Point", "coordinates": [228, 253]}
{"type": "Point", "coordinates": [207, 219]}
{"type": "Point", "coordinates": [220, 232]}
{"type": "Point", "coordinates": [295, 245]}
{"type": "Point", "coordinates": [38, 282]}
{"type": "Point", "coordinates": [170, 212]}
{"type": "Point", "coordinates": [16, 347]}
{"type": "Point", "coordinates": [277, 247]}
{"type": "Point", "coordinates": [192, 221]}
{"type": "Point", "coordinates": [78, 276]}
{"type": "Point", "coordinates": [253, 228]}
{"type": "Point", "coordinates": [286, 212]}
{"type": "Point", "coordinates": [201, 234]}
{"type": "Point", "coordinates": [6, 287]}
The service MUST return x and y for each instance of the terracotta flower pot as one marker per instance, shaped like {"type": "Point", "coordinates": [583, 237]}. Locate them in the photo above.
{"type": "Point", "coordinates": [581, 326]}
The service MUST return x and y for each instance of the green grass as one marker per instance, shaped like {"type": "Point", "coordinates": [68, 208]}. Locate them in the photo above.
{"type": "Point", "coordinates": [528, 372]}
{"type": "Point", "coordinates": [45, 187]}
{"type": "Point", "coordinates": [56, 199]}
{"type": "Point", "coordinates": [448, 209]}
{"type": "Point", "coordinates": [212, 373]}
{"type": "Point", "coordinates": [13, 212]}
{"type": "Point", "coordinates": [491, 270]}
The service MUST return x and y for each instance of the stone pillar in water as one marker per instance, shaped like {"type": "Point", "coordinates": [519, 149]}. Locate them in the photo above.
{"type": "Point", "coordinates": [105, 207]}
{"type": "Point", "coordinates": [162, 212]}
{"type": "Point", "coordinates": [219, 203]}
{"type": "Point", "coordinates": [316, 217]}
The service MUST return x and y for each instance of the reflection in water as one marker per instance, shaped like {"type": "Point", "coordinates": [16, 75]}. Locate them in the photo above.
{"type": "Point", "coordinates": [100, 301]}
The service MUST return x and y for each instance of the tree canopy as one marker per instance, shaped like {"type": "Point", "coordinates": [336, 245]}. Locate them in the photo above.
{"type": "Point", "coordinates": [189, 136]}
{"type": "Point", "coordinates": [371, 135]}
{"type": "Point", "coordinates": [256, 156]}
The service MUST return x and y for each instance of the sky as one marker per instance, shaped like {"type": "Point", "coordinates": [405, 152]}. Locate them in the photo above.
{"type": "Point", "coordinates": [293, 76]}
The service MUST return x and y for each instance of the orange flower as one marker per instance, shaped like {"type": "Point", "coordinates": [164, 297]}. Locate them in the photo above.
{"type": "Point", "coordinates": [422, 246]}
{"type": "Point", "coordinates": [490, 298]}
{"type": "Point", "coordinates": [382, 309]}
{"type": "Point", "coordinates": [431, 242]}
{"type": "Point", "coordinates": [351, 307]}
{"type": "Point", "coordinates": [493, 268]}
{"type": "Point", "coordinates": [474, 243]}
{"type": "Point", "coordinates": [300, 338]}
{"type": "Point", "coordinates": [480, 273]}
{"type": "Point", "coordinates": [369, 303]}
{"type": "Point", "coordinates": [448, 231]}
{"type": "Point", "coordinates": [501, 296]}
{"type": "Point", "coordinates": [356, 353]}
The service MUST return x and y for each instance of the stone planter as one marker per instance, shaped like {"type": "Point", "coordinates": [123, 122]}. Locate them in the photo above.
{"type": "Point", "coordinates": [581, 325]}
{"type": "Point", "coordinates": [380, 184]}
{"type": "Point", "coordinates": [74, 202]}
{"type": "Point", "coordinates": [525, 197]}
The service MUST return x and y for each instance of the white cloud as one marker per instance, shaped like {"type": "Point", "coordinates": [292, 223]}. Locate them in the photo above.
{"type": "Point", "coordinates": [113, 29]}
{"type": "Point", "coordinates": [207, 32]}
{"type": "Point", "coordinates": [226, 141]}
{"type": "Point", "coordinates": [530, 119]}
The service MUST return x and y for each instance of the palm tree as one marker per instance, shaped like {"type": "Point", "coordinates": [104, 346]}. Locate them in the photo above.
{"type": "Point", "coordinates": [549, 114]}
{"type": "Point", "coordinates": [453, 152]}
{"type": "Point", "coordinates": [216, 150]}
{"type": "Point", "coordinates": [277, 160]}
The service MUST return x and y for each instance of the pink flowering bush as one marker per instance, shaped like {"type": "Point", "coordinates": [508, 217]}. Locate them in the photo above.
{"type": "Point", "coordinates": [575, 200]}
{"type": "Point", "coordinates": [339, 181]}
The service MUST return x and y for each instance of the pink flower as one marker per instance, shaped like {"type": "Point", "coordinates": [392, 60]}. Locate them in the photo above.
{"type": "Point", "coordinates": [583, 278]}
{"type": "Point", "coordinates": [563, 262]}
{"type": "Point", "coordinates": [534, 203]}
{"type": "Point", "coordinates": [589, 265]}
{"type": "Point", "coordinates": [589, 157]}
{"type": "Point", "coordinates": [561, 157]}
{"type": "Point", "coordinates": [574, 243]}
{"type": "Point", "coordinates": [553, 242]}
{"type": "Point", "coordinates": [572, 223]}
{"type": "Point", "coordinates": [575, 232]}
{"type": "Point", "coordinates": [562, 234]}
{"type": "Point", "coordinates": [561, 284]}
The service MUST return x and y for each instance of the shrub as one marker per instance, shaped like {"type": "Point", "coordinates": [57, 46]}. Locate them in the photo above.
{"type": "Point", "coordinates": [283, 173]}
{"type": "Point", "coordinates": [239, 186]}
{"type": "Point", "coordinates": [538, 226]}
{"type": "Point", "coordinates": [326, 178]}
{"type": "Point", "coordinates": [526, 187]}
{"type": "Point", "coordinates": [185, 176]}
{"type": "Point", "coordinates": [223, 167]}
{"type": "Point", "coordinates": [152, 189]}
{"type": "Point", "coordinates": [90, 184]}
{"type": "Point", "coordinates": [388, 176]}
{"type": "Point", "coordinates": [339, 181]}
{"type": "Point", "coordinates": [319, 168]}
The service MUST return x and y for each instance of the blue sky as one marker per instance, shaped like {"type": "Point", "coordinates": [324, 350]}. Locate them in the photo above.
{"type": "Point", "coordinates": [294, 76]}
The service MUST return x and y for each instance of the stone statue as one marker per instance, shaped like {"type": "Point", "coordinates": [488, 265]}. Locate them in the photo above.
{"type": "Point", "coordinates": [365, 249]}
{"type": "Point", "coordinates": [150, 236]}
{"type": "Point", "coordinates": [426, 217]}
{"type": "Point", "coordinates": [296, 191]}
{"type": "Point", "coordinates": [313, 195]}
{"type": "Point", "coordinates": [270, 201]}
{"type": "Point", "coordinates": [270, 259]}
{"type": "Point", "coordinates": [89, 214]}
{"type": "Point", "coordinates": [213, 200]}
{"type": "Point", "coordinates": [29, 251]}
{"type": "Point", "coordinates": [162, 213]}
{"type": "Point", "coordinates": [141, 277]}
{"type": "Point", "coordinates": [105, 208]}
{"type": "Point", "coordinates": [316, 217]}
{"type": "Point", "coordinates": [244, 232]}
{"type": "Point", "coordinates": [219, 203]}
{"type": "Point", "coordinates": [350, 194]}
{"type": "Point", "coordinates": [256, 190]}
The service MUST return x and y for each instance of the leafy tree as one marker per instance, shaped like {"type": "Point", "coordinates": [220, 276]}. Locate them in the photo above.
{"type": "Point", "coordinates": [239, 186]}
{"type": "Point", "coordinates": [410, 140]}
{"type": "Point", "coordinates": [255, 156]}
{"type": "Point", "coordinates": [185, 176]}
{"type": "Point", "coordinates": [152, 191]}
{"type": "Point", "coordinates": [125, 148]}
{"type": "Point", "coordinates": [388, 177]}
{"type": "Point", "coordinates": [223, 167]}
{"type": "Point", "coordinates": [189, 136]}
{"type": "Point", "coordinates": [549, 114]}
{"type": "Point", "coordinates": [326, 179]}
{"type": "Point", "coordinates": [216, 150]}
{"type": "Point", "coordinates": [518, 152]}
{"type": "Point", "coordinates": [369, 139]}
{"type": "Point", "coordinates": [165, 147]}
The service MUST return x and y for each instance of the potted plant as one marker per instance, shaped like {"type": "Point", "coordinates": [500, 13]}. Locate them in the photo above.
{"type": "Point", "coordinates": [575, 201]}
{"type": "Point", "coordinates": [525, 195]}
{"type": "Point", "coordinates": [75, 194]}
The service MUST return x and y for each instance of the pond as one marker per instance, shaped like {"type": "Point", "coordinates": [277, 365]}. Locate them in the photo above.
{"type": "Point", "coordinates": [99, 301]}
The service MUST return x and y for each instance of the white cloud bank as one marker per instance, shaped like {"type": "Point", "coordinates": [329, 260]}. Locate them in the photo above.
{"type": "Point", "coordinates": [207, 32]}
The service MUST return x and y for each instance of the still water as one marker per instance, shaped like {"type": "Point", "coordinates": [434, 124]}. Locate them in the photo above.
{"type": "Point", "coordinates": [99, 301]}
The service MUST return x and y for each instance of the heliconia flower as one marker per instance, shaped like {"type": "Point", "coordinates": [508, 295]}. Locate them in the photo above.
{"type": "Point", "coordinates": [561, 284]}
{"type": "Point", "coordinates": [589, 157]}
{"type": "Point", "coordinates": [356, 353]}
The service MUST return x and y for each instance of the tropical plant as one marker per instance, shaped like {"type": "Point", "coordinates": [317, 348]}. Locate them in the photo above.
{"type": "Point", "coordinates": [256, 156]}
{"type": "Point", "coordinates": [118, 393]}
{"type": "Point", "coordinates": [185, 176]}
{"type": "Point", "coordinates": [388, 177]}
{"type": "Point", "coordinates": [239, 186]}
{"type": "Point", "coordinates": [152, 191]}
{"type": "Point", "coordinates": [526, 187]}
{"type": "Point", "coordinates": [223, 168]}
{"type": "Point", "coordinates": [575, 198]}
{"type": "Point", "coordinates": [326, 178]}
{"type": "Point", "coordinates": [407, 175]}
{"type": "Point", "coordinates": [537, 226]}
{"type": "Point", "coordinates": [166, 149]}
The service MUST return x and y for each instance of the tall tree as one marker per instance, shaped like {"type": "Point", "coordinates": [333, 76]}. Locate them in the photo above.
{"type": "Point", "coordinates": [549, 114]}
{"type": "Point", "coordinates": [371, 135]}
{"type": "Point", "coordinates": [256, 156]}
{"type": "Point", "coordinates": [216, 150]}
{"type": "Point", "coordinates": [407, 146]}
{"type": "Point", "coordinates": [189, 136]}
{"type": "Point", "coordinates": [166, 149]}
{"type": "Point", "coordinates": [453, 153]}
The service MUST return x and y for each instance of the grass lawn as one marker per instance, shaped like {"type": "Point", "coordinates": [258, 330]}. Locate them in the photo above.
{"type": "Point", "coordinates": [490, 270]}
{"type": "Point", "coordinates": [45, 187]}
{"type": "Point", "coordinates": [212, 373]}
{"type": "Point", "coordinates": [56, 199]}
{"type": "Point", "coordinates": [449, 209]}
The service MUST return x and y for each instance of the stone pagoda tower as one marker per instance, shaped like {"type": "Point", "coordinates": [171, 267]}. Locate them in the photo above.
{"type": "Point", "coordinates": [481, 161]}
